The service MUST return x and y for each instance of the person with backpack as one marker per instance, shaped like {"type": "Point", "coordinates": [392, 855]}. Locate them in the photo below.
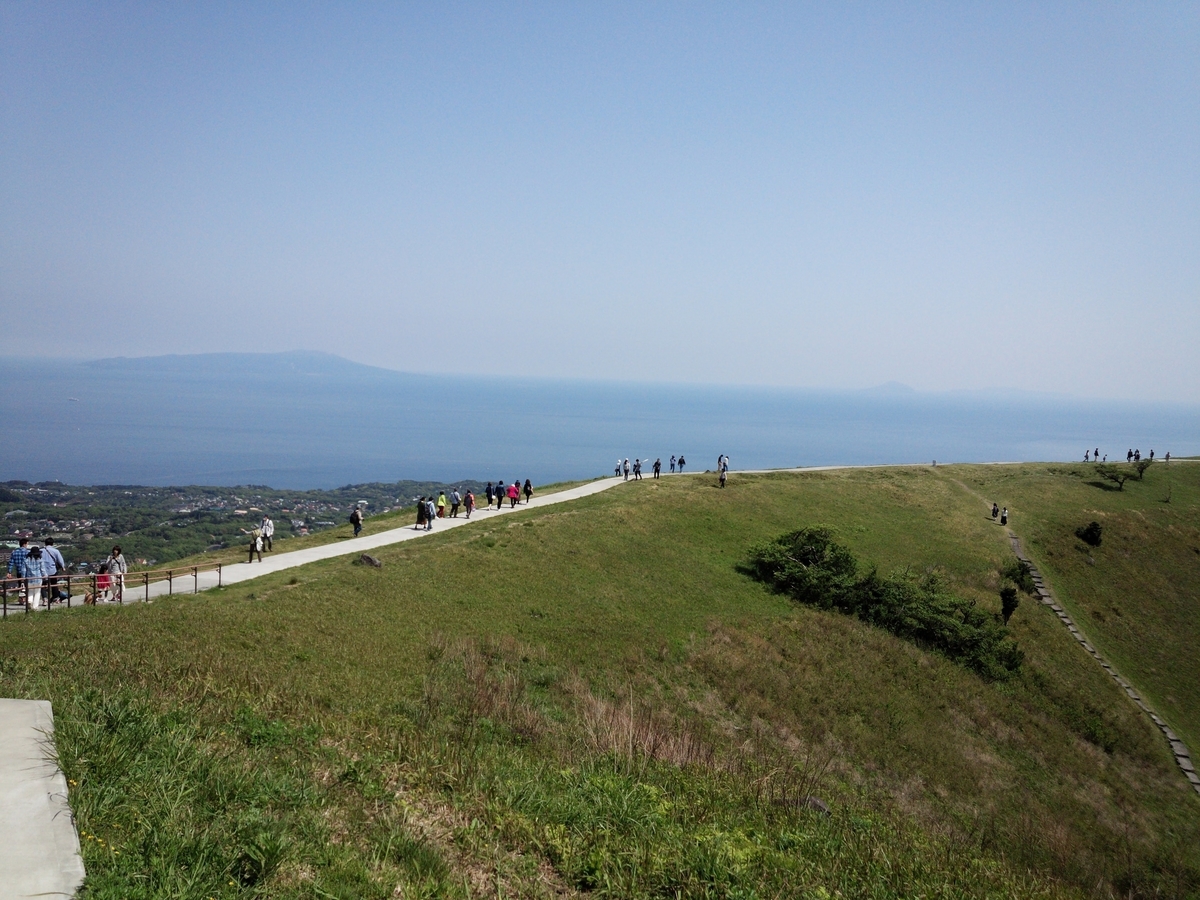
{"type": "Point", "coordinates": [455, 503]}
{"type": "Point", "coordinates": [528, 489]}
{"type": "Point", "coordinates": [356, 519]}
{"type": "Point", "coordinates": [256, 543]}
{"type": "Point", "coordinates": [470, 503]}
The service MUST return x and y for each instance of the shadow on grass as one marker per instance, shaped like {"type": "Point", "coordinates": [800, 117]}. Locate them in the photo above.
{"type": "Point", "coordinates": [1104, 486]}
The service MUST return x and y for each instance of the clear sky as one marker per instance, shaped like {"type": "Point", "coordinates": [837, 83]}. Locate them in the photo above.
{"type": "Point", "coordinates": [825, 195]}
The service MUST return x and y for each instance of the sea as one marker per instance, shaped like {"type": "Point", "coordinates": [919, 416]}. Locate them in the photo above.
{"type": "Point", "coordinates": [312, 420]}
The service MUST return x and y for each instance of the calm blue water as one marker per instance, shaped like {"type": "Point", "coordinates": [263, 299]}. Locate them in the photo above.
{"type": "Point", "coordinates": [311, 421]}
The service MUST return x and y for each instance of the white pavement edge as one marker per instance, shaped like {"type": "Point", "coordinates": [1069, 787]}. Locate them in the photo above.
{"type": "Point", "coordinates": [39, 847]}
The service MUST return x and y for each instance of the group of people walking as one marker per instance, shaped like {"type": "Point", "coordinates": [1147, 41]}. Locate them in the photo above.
{"type": "Point", "coordinates": [443, 506]}
{"type": "Point", "coordinates": [624, 467]}
{"type": "Point", "coordinates": [1130, 457]}
{"type": "Point", "coordinates": [41, 573]}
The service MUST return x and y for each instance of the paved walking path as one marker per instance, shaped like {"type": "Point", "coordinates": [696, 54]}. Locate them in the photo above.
{"type": "Point", "coordinates": [39, 848]}
{"type": "Point", "coordinates": [277, 562]}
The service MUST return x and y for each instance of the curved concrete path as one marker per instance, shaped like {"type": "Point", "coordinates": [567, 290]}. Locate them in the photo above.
{"type": "Point", "coordinates": [277, 562]}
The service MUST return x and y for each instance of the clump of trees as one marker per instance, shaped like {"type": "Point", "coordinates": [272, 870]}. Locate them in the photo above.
{"type": "Point", "coordinates": [1090, 533]}
{"type": "Point", "coordinates": [812, 568]}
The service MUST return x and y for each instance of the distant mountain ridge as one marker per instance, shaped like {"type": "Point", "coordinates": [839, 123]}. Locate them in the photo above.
{"type": "Point", "coordinates": [221, 365]}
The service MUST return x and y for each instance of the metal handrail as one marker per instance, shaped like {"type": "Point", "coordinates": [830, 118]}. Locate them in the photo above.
{"type": "Point", "coordinates": [14, 591]}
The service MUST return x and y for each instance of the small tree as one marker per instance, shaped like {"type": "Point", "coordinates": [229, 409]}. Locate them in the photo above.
{"type": "Point", "coordinates": [1009, 601]}
{"type": "Point", "coordinates": [1089, 533]}
{"type": "Point", "coordinates": [1114, 474]}
{"type": "Point", "coordinates": [1141, 466]}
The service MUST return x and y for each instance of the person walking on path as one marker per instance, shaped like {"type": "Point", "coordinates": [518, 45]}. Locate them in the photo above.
{"type": "Point", "coordinates": [617, 470]}
{"type": "Point", "coordinates": [420, 514]}
{"type": "Point", "coordinates": [33, 570]}
{"type": "Point", "coordinates": [441, 505]}
{"type": "Point", "coordinates": [256, 543]}
{"type": "Point", "coordinates": [1004, 516]}
{"type": "Point", "coordinates": [430, 514]}
{"type": "Point", "coordinates": [116, 574]}
{"type": "Point", "coordinates": [54, 564]}
{"type": "Point", "coordinates": [627, 468]}
{"type": "Point", "coordinates": [724, 475]}
{"type": "Point", "coordinates": [1086, 454]}
{"type": "Point", "coordinates": [637, 470]}
{"type": "Point", "coordinates": [470, 503]}
{"type": "Point", "coordinates": [657, 467]}
{"type": "Point", "coordinates": [268, 532]}
{"type": "Point", "coordinates": [490, 494]}
{"type": "Point", "coordinates": [672, 463]}
{"type": "Point", "coordinates": [455, 503]}
{"type": "Point", "coordinates": [18, 557]}
{"type": "Point", "coordinates": [356, 519]}
{"type": "Point", "coordinates": [528, 490]}
{"type": "Point", "coordinates": [514, 494]}
{"type": "Point", "coordinates": [681, 461]}
{"type": "Point", "coordinates": [995, 511]}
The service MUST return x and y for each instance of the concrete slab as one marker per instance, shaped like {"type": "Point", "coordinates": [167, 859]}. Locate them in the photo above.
{"type": "Point", "coordinates": [39, 851]}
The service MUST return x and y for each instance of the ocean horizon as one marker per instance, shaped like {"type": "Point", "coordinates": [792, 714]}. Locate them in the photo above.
{"type": "Point", "coordinates": [311, 420]}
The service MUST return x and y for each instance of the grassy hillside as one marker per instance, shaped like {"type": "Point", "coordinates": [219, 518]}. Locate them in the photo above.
{"type": "Point", "coordinates": [592, 697]}
{"type": "Point", "coordinates": [1137, 595]}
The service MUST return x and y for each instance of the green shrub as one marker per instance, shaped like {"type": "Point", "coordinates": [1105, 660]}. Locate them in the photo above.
{"type": "Point", "coordinates": [1089, 533]}
{"type": "Point", "coordinates": [1019, 573]}
{"type": "Point", "coordinates": [809, 566]}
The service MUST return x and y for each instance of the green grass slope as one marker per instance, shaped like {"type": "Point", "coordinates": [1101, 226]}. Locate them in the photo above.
{"type": "Point", "coordinates": [592, 698]}
{"type": "Point", "coordinates": [1137, 595]}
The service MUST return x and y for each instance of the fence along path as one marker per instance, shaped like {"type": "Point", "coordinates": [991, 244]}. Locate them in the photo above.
{"type": "Point", "coordinates": [140, 587]}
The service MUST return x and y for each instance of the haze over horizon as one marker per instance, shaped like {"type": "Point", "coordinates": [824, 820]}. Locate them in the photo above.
{"type": "Point", "coordinates": [832, 198]}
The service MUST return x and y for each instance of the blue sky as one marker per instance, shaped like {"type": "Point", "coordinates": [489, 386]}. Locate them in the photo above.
{"type": "Point", "coordinates": [955, 196]}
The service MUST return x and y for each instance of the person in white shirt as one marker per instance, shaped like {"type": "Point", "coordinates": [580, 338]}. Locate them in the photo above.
{"type": "Point", "coordinates": [268, 530]}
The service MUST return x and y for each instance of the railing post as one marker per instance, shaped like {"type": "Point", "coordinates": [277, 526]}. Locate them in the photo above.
{"type": "Point", "coordinates": [26, 595]}
{"type": "Point", "coordinates": [5, 600]}
{"type": "Point", "coordinates": [170, 582]}
{"type": "Point", "coordinates": [146, 580]}
{"type": "Point", "coordinates": [95, 589]}
{"type": "Point", "coordinates": [195, 579]}
{"type": "Point", "coordinates": [219, 584]}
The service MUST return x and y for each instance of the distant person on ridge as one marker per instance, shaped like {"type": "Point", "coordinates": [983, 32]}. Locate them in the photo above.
{"type": "Point", "coordinates": [356, 519]}
{"type": "Point", "coordinates": [1004, 516]}
{"type": "Point", "coordinates": [1129, 456]}
{"type": "Point", "coordinates": [430, 514]}
{"type": "Point", "coordinates": [1095, 454]}
{"type": "Point", "coordinates": [724, 475]}
{"type": "Point", "coordinates": [1137, 454]}
{"type": "Point", "coordinates": [470, 503]}
{"type": "Point", "coordinates": [637, 470]}
{"type": "Point", "coordinates": [421, 511]}
{"type": "Point", "coordinates": [681, 461]}
{"type": "Point", "coordinates": [672, 463]}
{"type": "Point", "coordinates": [1086, 454]}
{"type": "Point", "coordinates": [441, 505]}
{"type": "Point", "coordinates": [268, 532]}
{"type": "Point", "coordinates": [1151, 456]}
{"type": "Point", "coordinates": [626, 468]}
{"type": "Point", "coordinates": [490, 494]}
{"type": "Point", "coordinates": [455, 503]}
{"type": "Point", "coordinates": [617, 470]}
{"type": "Point", "coordinates": [657, 467]}
{"type": "Point", "coordinates": [514, 494]}
{"type": "Point", "coordinates": [528, 489]}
